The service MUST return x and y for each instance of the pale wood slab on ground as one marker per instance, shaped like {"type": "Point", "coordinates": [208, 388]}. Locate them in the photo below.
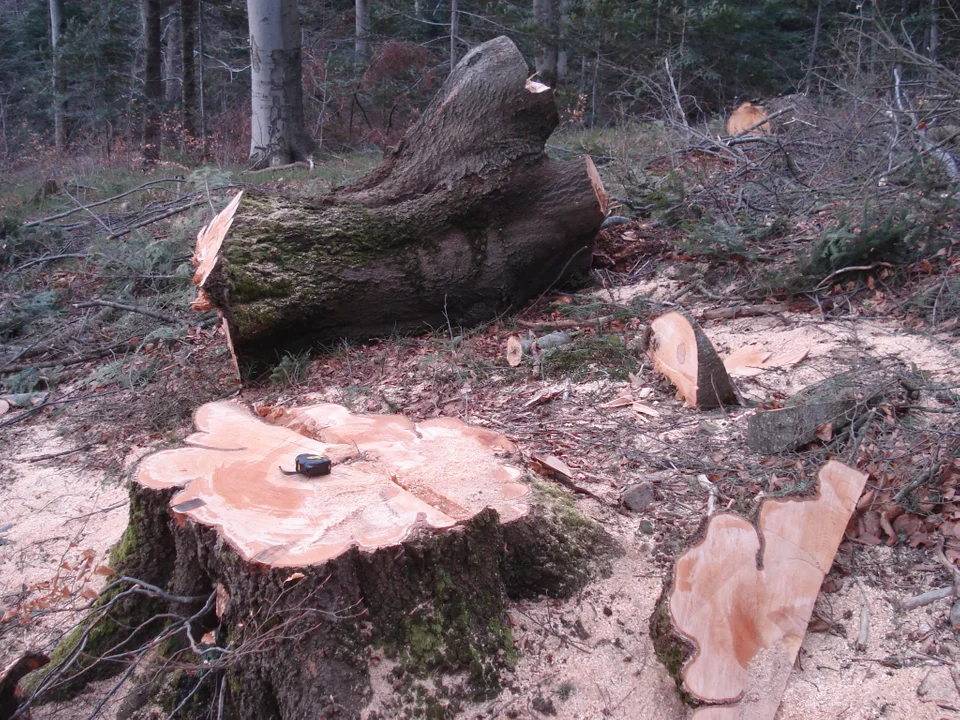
{"type": "Point", "coordinates": [743, 596]}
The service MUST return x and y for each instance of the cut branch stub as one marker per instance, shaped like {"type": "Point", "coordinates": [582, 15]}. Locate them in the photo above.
{"type": "Point", "coordinates": [743, 596]}
{"type": "Point", "coordinates": [680, 350]}
{"type": "Point", "coordinates": [389, 476]}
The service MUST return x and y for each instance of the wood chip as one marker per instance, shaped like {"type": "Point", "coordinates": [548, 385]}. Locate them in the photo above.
{"type": "Point", "coordinates": [514, 351]}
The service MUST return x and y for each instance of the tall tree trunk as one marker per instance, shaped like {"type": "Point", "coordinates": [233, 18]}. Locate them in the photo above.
{"type": "Point", "coordinates": [59, 81]}
{"type": "Point", "coordinates": [152, 78]}
{"type": "Point", "coordinates": [188, 34]}
{"type": "Point", "coordinates": [545, 18]}
{"type": "Point", "coordinates": [362, 45]}
{"type": "Point", "coordinates": [563, 53]}
{"type": "Point", "coordinates": [278, 133]}
{"type": "Point", "coordinates": [454, 30]}
{"type": "Point", "coordinates": [171, 61]}
{"type": "Point", "coordinates": [813, 48]}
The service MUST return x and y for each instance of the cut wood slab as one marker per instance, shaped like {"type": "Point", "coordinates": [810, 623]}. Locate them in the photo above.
{"type": "Point", "coordinates": [680, 350]}
{"type": "Point", "coordinates": [733, 616]}
{"type": "Point", "coordinates": [836, 401]}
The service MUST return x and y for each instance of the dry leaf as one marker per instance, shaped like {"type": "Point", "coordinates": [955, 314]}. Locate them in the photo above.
{"type": "Point", "coordinates": [514, 351]}
{"type": "Point", "coordinates": [293, 576]}
{"type": "Point", "coordinates": [209, 638]}
{"type": "Point", "coordinates": [4, 407]}
{"type": "Point", "coordinates": [104, 570]}
{"type": "Point", "coordinates": [88, 593]}
{"type": "Point", "coordinates": [825, 432]}
{"type": "Point", "coordinates": [622, 401]}
{"type": "Point", "coordinates": [645, 409]}
{"type": "Point", "coordinates": [542, 397]}
{"type": "Point", "coordinates": [554, 464]}
{"type": "Point", "coordinates": [635, 381]}
{"type": "Point", "coordinates": [746, 361]}
{"type": "Point", "coordinates": [223, 597]}
{"type": "Point", "coordinates": [787, 359]}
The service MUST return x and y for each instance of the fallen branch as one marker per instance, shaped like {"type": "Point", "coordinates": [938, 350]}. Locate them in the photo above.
{"type": "Point", "coordinates": [729, 313]}
{"type": "Point", "coordinates": [155, 218]}
{"type": "Point", "coordinates": [288, 166]}
{"type": "Point", "coordinates": [48, 258]}
{"type": "Point", "coordinates": [75, 210]}
{"type": "Point", "coordinates": [72, 359]}
{"type": "Point", "coordinates": [131, 308]}
{"type": "Point", "coordinates": [566, 323]}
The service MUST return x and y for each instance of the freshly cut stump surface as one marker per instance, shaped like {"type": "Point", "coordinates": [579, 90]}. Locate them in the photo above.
{"type": "Point", "coordinates": [742, 597]}
{"type": "Point", "coordinates": [390, 475]}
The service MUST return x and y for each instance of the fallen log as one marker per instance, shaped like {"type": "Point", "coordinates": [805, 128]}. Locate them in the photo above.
{"type": "Point", "coordinates": [406, 549]}
{"type": "Point", "coordinates": [465, 219]}
{"type": "Point", "coordinates": [734, 612]}
{"type": "Point", "coordinates": [836, 401]}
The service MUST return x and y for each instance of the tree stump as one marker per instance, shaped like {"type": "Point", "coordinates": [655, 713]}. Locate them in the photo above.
{"type": "Point", "coordinates": [465, 219]}
{"type": "Point", "coordinates": [734, 613]}
{"type": "Point", "coordinates": [405, 552]}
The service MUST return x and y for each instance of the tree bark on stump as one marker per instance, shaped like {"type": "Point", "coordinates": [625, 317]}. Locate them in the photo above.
{"type": "Point", "coordinates": [465, 219]}
{"type": "Point", "coordinates": [398, 555]}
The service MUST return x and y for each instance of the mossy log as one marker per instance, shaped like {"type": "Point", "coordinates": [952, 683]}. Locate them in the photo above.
{"type": "Point", "coordinates": [837, 401]}
{"type": "Point", "coordinates": [399, 553]}
{"type": "Point", "coordinates": [465, 219]}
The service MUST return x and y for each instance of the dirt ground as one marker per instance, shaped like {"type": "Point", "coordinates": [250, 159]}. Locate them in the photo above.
{"type": "Point", "coordinates": [589, 656]}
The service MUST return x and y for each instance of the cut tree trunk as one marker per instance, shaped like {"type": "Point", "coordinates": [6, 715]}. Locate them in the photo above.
{"type": "Point", "coordinates": [465, 219]}
{"type": "Point", "coordinates": [407, 550]}
{"type": "Point", "coordinates": [681, 351]}
{"type": "Point", "coordinates": [734, 613]}
{"type": "Point", "coordinates": [816, 411]}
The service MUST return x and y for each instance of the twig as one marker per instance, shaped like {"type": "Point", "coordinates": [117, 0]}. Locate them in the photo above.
{"type": "Point", "coordinates": [92, 214]}
{"type": "Point", "coordinates": [63, 401]}
{"type": "Point", "coordinates": [154, 219]}
{"type": "Point", "coordinates": [864, 636]}
{"type": "Point", "coordinates": [925, 478]}
{"type": "Point", "coordinates": [48, 258]}
{"type": "Point", "coordinates": [100, 202]}
{"type": "Point", "coordinates": [72, 359]}
{"type": "Point", "coordinates": [712, 490]}
{"type": "Point", "coordinates": [852, 268]}
{"type": "Point", "coordinates": [62, 453]}
{"type": "Point", "coordinates": [131, 308]}
{"type": "Point", "coordinates": [926, 598]}
{"type": "Point", "coordinates": [97, 512]}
